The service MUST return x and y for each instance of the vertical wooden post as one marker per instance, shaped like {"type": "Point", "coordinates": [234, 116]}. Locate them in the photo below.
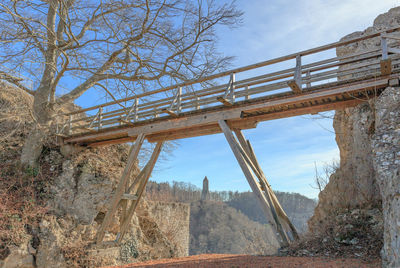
{"type": "Point", "coordinates": [297, 76]}
{"type": "Point", "coordinates": [100, 117]}
{"type": "Point", "coordinates": [179, 100]}
{"type": "Point", "coordinates": [308, 76]}
{"type": "Point", "coordinates": [135, 111]}
{"type": "Point", "coordinates": [120, 188]}
{"type": "Point", "coordinates": [265, 202]}
{"type": "Point", "coordinates": [296, 84]}
{"type": "Point", "coordinates": [386, 62]}
{"type": "Point", "coordinates": [384, 47]}
{"type": "Point", "coordinates": [197, 103]}
{"type": "Point", "coordinates": [247, 96]}
{"type": "Point", "coordinates": [232, 88]}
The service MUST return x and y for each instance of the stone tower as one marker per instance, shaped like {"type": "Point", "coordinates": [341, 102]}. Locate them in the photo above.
{"type": "Point", "coordinates": [205, 193]}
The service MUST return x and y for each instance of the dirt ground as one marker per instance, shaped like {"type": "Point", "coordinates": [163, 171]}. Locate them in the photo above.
{"type": "Point", "coordinates": [236, 261]}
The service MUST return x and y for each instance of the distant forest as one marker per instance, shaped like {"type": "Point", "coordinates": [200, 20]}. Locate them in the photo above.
{"type": "Point", "coordinates": [298, 207]}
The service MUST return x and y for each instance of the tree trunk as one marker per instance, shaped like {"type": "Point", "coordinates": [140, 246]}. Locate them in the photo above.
{"type": "Point", "coordinates": [42, 112]}
{"type": "Point", "coordinates": [33, 147]}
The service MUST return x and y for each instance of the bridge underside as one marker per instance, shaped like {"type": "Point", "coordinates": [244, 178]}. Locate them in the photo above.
{"type": "Point", "coordinates": [242, 115]}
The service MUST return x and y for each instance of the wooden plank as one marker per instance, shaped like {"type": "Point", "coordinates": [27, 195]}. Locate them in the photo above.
{"type": "Point", "coordinates": [120, 188]}
{"type": "Point", "coordinates": [198, 131]}
{"type": "Point", "coordinates": [316, 108]}
{"type": "Point", "coordinates": [265, 204]}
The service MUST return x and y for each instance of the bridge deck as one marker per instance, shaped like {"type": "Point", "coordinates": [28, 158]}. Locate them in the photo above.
{"type": "Point", "coordinates": [194, 108]}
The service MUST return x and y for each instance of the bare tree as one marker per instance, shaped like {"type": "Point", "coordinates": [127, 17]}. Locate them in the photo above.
{"type": "Point", "coordinates": [63, 48]}
{"type": "Point", "coordinates": [321, 179]}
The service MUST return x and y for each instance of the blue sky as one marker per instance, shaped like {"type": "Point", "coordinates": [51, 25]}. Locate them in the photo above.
{"type": "Point", "coordinates": [287, 148]}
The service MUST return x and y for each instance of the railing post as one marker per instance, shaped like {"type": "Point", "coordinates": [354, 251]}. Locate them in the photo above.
{"type": "Point", "coordinates": [179, 100]}
{"type": "Point", "coordinates": [197, 103]}
{"type": "Point", "coordinates": [247, 96]}
{"type": "Point", "coordinates": [297, 76]}
{"type": "Point", "coordinates": [100, 117]}
{"type": "Point", "coordinates": [296, 84]}
{"type": "Point", "coordinates": [69, 124]}
{"type": "Point", "coordinates": [386, 62]}
{"type": "Point", "coordinates": [232, 88]}
{"type": "Point", "coordinates": [308, 76]}
{"type": "Point", "coordinates": [384, 47]}
{"type": "Point", "coordinates": [135, 111]}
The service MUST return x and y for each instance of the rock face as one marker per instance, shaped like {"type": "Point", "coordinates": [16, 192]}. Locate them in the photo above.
{"type": "Point", "coordinates": [77, 188]}
{"type": "Point", "coordinates": [368, 137]}
{"type": "Point", "coordinates": [173, 219]}
{"type": "Point", "coordinates": [386, 144]}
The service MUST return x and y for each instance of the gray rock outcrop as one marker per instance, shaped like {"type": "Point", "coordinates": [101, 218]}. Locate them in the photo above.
{"type": "Point", "coordinates": [368, 137]}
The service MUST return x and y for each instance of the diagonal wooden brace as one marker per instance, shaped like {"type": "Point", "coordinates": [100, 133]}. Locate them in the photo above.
{"type": "Point", "coordinates": [264, 183]}
{"type": "Point", "coordinates": [120, 188]}
{"type": "Point", "coordinates": [140, 185]}
{"type": "Point", "coordinates": [265, 200]}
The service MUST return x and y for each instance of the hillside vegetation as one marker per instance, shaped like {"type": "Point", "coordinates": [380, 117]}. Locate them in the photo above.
{"type": "Point", "coordinates": [230, 222]}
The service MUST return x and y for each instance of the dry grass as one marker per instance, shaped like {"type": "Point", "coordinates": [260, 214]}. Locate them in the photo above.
{"type": "Point", "coordinates": [21, 204]}
{"type": "Point", "coordinates": [351, 233]}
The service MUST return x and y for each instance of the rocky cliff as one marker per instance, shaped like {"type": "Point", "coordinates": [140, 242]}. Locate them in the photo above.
{"type": "Point", "coordinates": [50, 215]}
{"type": "Point", "coordinates": [368, 137]}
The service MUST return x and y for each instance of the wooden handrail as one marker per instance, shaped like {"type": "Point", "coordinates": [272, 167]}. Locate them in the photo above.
{"type": "Point", "coordinates": [242, 69]}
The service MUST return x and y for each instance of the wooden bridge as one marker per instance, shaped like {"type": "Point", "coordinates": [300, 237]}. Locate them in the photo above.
{"type": "Point", "coordinates": [231, 101]}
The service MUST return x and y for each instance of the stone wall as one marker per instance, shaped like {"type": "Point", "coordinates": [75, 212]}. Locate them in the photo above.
{"type": "Point", "coordinates": [173, 220]}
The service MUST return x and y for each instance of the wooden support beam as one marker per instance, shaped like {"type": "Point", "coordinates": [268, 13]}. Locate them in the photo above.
{"type": "Point", "coordinates": [170, 112]}
{"type": "Point", "coordinates": [224, 101]}
{"type": "Point", "coordinates": [141, 186]}
{"type": "Point", "coordinates": [264, 182]}
{"type": "Point", "coordinates": [245, 144]}
{"type": "Point", "coordinates": [265, 203]}
{"type": "Point", "coordinates": [294, 86]}
{"type": "Point", "coordinates": [386, 67]}
{"type": "Point", "coordinates": [120, 188]}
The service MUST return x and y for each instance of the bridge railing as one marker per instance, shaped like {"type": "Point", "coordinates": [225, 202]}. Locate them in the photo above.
{"type": "Point", "coordinates": [180, 99]}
